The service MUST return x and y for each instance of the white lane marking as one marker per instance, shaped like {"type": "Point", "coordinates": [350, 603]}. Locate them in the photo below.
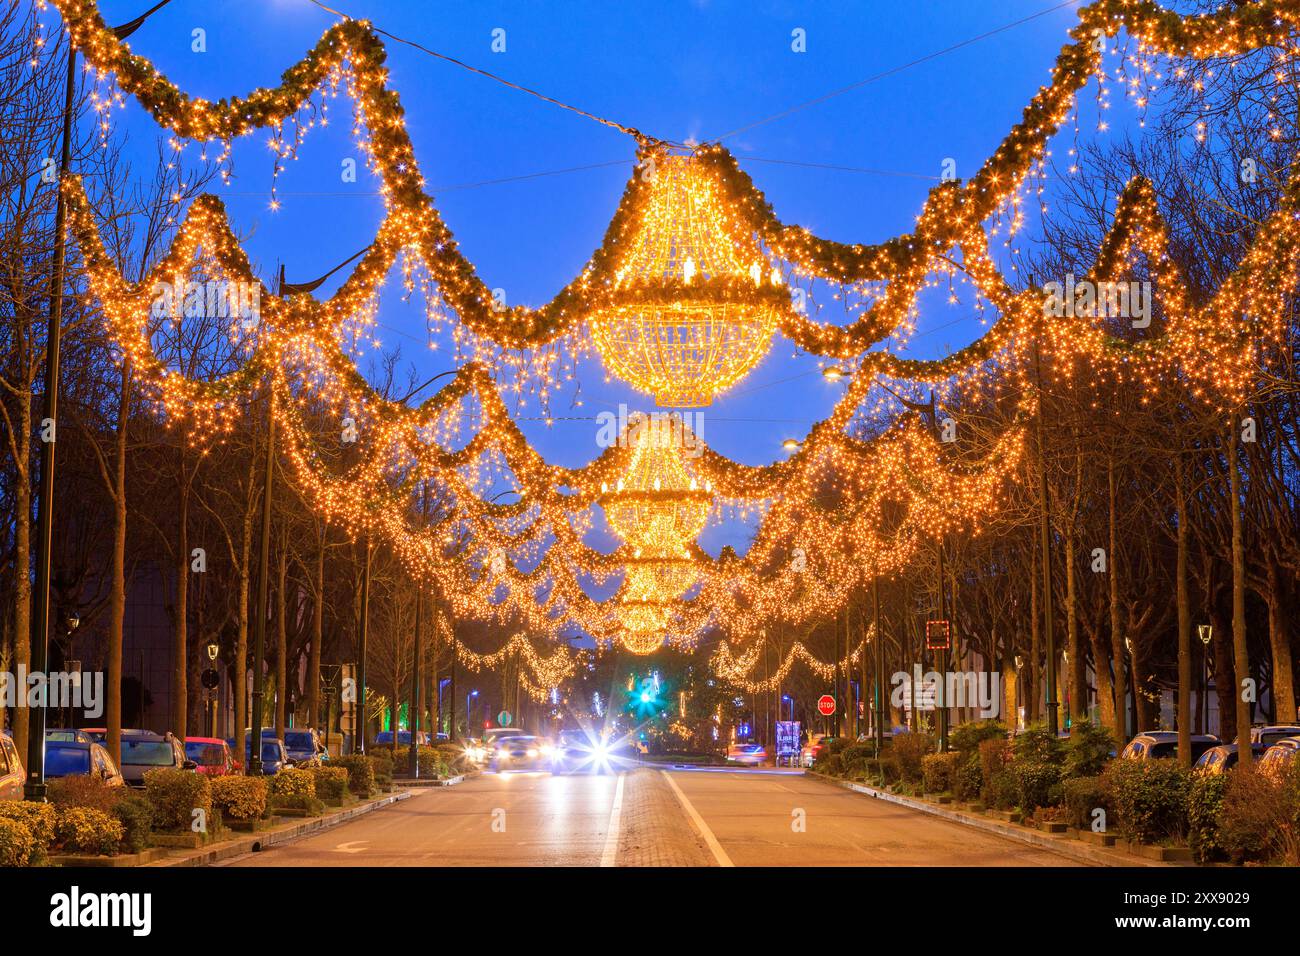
{"type": "Point", "coordinates": [715, 847]}
{"type": "Point", "coordinates": [352, 846]}
{"type": "Point", "coordinates": [609, 855]}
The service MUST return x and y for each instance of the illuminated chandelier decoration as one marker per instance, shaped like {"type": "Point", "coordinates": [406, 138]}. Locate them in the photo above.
{"type": "Point", "coordinates": [658, 508]}
{"type": "Point", "coordinates": [695, 304]}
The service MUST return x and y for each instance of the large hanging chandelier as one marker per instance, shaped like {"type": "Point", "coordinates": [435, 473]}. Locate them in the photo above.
{"type": "Point", "coordinates": [658, 508]}
{"type": "Point", "coordinates": [695, 301]}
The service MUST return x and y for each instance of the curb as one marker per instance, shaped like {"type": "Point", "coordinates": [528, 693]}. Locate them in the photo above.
{"type": "Point", "coordinates": [1062, 844]}
{"type": "Point", "coordinates": [424, 782]}
{"type": "Point", "coordinates": [267, 838]}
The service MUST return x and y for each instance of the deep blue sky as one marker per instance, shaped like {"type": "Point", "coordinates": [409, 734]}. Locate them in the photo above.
{"type": "Point", "coordinates": [672, 69]}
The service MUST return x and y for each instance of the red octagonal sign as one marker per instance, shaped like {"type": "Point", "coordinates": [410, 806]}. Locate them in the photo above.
{"type": "Point", "coordinates": [826, 705]}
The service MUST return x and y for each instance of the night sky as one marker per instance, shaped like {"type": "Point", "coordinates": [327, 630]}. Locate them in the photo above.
{"type": "Point", "coordinates": [673, 70]}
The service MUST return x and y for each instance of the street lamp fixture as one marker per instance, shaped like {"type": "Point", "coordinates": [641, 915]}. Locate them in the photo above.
{"type": "Point", "coordinates": [791, 445]}
{"type": "Point", "coordinates": [834, 374]}
{"type": "Point", "coordinates": [213, 650]}
{"type": "Point", "coordinates": [1205, 632]}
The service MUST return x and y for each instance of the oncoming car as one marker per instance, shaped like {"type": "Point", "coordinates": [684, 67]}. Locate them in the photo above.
{"type": "Point", "coordinates": [750, 754]}
{"type": "Point", "coordinates": [519, 752]}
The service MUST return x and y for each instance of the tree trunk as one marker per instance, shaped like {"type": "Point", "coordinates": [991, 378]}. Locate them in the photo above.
{"type": "Point", "coordinates": [117, 596]}
{"type": "Point", "coordinates": [1101, 672]}
{"type": "Point", "coordinates": [1224, 681]}
{"type": "Point", "coordinates": [317, 638]}
{"type": "Point", "coordinates": [1116, 631]}
{"type": "Point", "coordinates": [1240, 652]}
{"type": "Point", "coordinates": [1184, 628]}
{"type": "Point", "coordinates": [281, 637]}
{"type": "Point", "coordinates": [1078, 680]}
{"type": "Point", "coordinates": [22, 564]}
{"type": "Point", "coordinates": [1284, 709]}
{"type": "Point", "coordinates": [1033, 685]}
{"type": "Point", "coordinates": [239, 679]}
{"type": "Point", "coordinates": [180, 637]}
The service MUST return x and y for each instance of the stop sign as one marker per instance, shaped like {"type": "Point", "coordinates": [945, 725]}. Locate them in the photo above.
{"type": "Point", "coordinates": [826, 705]}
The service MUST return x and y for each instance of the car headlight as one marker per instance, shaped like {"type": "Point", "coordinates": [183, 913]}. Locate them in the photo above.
{"type": "Point", "coordinates": [532, 752]}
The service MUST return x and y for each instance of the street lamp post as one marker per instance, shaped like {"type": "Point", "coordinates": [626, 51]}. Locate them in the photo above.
{"type": "Point", "coordinates": [469, 727]}
{"type": "Point", "coordinates": [34, 787]}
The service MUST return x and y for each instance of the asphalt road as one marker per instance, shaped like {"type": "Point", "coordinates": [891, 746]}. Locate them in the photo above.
{"type": "Point", "coordinates": [649, 817]}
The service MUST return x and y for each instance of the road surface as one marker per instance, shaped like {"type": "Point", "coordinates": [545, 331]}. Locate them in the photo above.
{"type": "Point", "coordinates": [649, 817]}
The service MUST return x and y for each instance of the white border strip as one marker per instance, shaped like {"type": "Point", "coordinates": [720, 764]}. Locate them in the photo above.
{"type": "Point", "coordinates": [715, 847]}
{"type": "Point", "coordinates": [609, 856]}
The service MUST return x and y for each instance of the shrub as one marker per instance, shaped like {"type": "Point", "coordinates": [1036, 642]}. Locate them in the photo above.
{"type": "Point", "coordinates": [938, 771]}
{"type": "Point", "coordinates": [331, 782]}
{"type": "Point", "coordinates": [838, 745]}
{"type": "Point", "coordinates": [1081, 796]}
{"type": "Point", "coordinates": [382, 763]}
{"type": "Point", "coordinates": [87, 830]}
{"type": "Point", "coordinates": [966, 738]}
{"type": "Point", "coordinates": [1003, 790]}
{"type": "Point", "coordinates": [1204, 815]}
{"type": "Point", "coordinates": [82, 791]}
{"type": "Point", "coordinates": [1260, 820]}
{"type": "Point", "coordinates": [969, 779]}
{"type": "Point", "coordinates": [175, 795]}
{"type": "Point", "coordinates": [361, 773]}
{"type": "Point", "coordinates": [1149, 797]}
{"type": "Point", "coordinates": [240, 798]}
{"type": "Point", "coordinates": [883, 770]}
{"type": "Point", "coordinates": [453, 755]}
{"type": "Point", "coordinates": [1088, 750]}
{"type": "Point", "coordinates": [994, 756]}
{"type": "Point", "coordinates": [38, 818]}
{"type": "Point", "coordinates": [1037, 784]}
{"type": "Point", "coordinates": [830, 764]}
{"type": "Point", "coordinates": [1037, 744]}
{"type": "Point", "coordinates": [18, 847]}
{"type": "Point", "coordinates": [134, 811]}
{"type": "Point", "coordinates": [909, 748]}
{"type": "Point", "coordinates": [854, 759]}
{"type": "Point", "coordinates": [292, 787]}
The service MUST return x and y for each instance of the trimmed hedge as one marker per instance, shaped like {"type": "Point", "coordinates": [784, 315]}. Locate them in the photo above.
{"type": "Point", "coordinates": [87, 830]}
{"type": "Point", "coordinates": [1081, 796]}
{"type": "Point", "coordinates": [361, 773]}
{"type": "Point", "coordinates": [1205, 815]}
{"type": "Point", "coordinates": [17, 845]}
{"type": "Point", "coordinates": [175, 795]}
{"type": "Point", "coordinates": [1037, 784]}
{"type": "Point", "coordinates": [1149, 797]}
{"type": "Point", "coordinates": [39, 819]}
{"type": "Point", "coordinates": [331, 781]}
{"type": "Point", "coordinates": [966, 738]}
{"type": "Point", "coordinates": [909, 748]}
{"type": "Point", "coordinates": [240, 798]}
{"type": "Point", "coordinates": [938, 771]}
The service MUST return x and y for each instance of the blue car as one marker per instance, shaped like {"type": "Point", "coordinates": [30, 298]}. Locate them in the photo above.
{"type": "Point", "coordinates": [385, 738]}
{"type": "Point", "coordinates": [304, 744]}
{"type": "Point", "coordinates": [274, 755]}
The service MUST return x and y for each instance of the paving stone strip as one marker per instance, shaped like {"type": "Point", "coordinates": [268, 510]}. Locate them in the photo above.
{"type": "Point", "coordinates": [655, 831]}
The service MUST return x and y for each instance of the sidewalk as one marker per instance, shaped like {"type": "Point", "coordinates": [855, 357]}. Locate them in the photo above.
{"type": "Point", "coordinates": [1061, 843]}
{"type": "Point", "coordinates": [291, 829]}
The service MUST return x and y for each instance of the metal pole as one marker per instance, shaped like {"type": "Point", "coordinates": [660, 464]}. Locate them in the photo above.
{"type": "Point", "coordinates": [359, 732]}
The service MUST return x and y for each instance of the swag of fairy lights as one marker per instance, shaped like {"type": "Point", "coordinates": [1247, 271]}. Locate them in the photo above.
{"type": "Point", "coordinates": [895, 492]}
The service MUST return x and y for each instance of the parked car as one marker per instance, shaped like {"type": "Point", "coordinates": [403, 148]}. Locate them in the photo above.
{"type": "Point", "coordinates": [385, 738]}
{"type": "Point", "coordinates": [12, 774]}
{"type": "Point", "coordinates": [1223, 758]}
{"type": "Point", "coordinates": [100, 734]}
{"type": "Point", "coordinates": [750, 754]}
{"type": "Point", "coordinates": [306, 747]}
{"type": "Point", "coordinates": [1269, 735]}
{"type": "Point", "coordinates": [80, 758]}
{"type": "Point", "coordinates": [518, 752]}
{"type": "Point", "coordinates": [1163, 744]}
{"type": "Point", "coordinates": [64, 733]}
{"type": "Point", "coordinates": [816, 746]}
{"type": "Point", "coordinates": [212, 755]}
{"type": "Point", "coordinates": [144, 752]}
{"type": "Point", "coordinates": [1280, 756]}
{"type": "Point", "coordinates": [275, 757]}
